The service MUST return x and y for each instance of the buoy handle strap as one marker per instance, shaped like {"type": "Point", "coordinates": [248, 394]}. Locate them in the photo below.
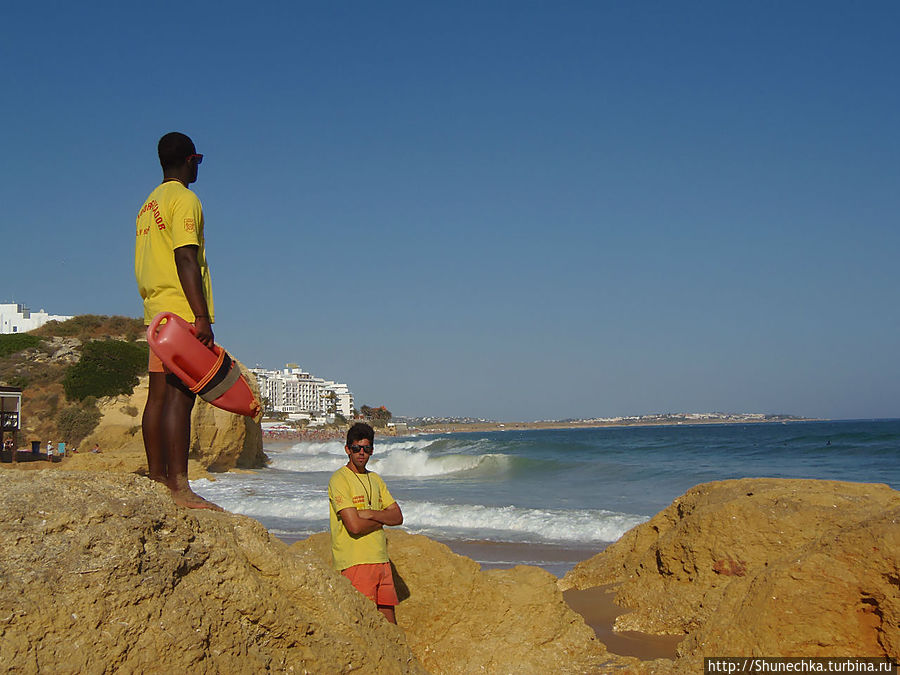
{"type": "Point", "coordinates": [212, 371]}
{"type": "Point", "coordinates": [218, 387]}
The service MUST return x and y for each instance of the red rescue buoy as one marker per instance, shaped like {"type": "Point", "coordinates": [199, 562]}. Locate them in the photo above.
{"type": "Point", "coordinates": [209, 373]}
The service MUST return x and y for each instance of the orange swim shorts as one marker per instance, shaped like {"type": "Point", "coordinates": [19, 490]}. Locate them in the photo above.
{"type": "Point", "coordinates": [375, 581]}
{"type": "Point", "coordinates": [155, 364]}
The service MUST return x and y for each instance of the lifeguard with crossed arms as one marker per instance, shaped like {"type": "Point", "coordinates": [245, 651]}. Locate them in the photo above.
{"type": "Point", "coordinates": [360, 508]}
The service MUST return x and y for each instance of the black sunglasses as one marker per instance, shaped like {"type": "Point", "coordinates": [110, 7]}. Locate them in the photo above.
{"type": "Point", "coordinates": [198, 159]}
{"type": "Point", "coordinates": [364, 448]}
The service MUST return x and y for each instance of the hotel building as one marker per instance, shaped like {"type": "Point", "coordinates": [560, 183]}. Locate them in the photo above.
{"type": "Point", "coordinates": [301, 394]}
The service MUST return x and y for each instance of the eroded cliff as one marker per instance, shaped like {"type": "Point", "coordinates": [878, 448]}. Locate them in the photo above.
{"type": "Point", "coordinates": [771, 567]}
{"type": "Point", "coordinates": [220, 440]}
{"type": "Point", "coordinates": [106, 575]}
{"type": "Point", "coordinates": [460, 619]}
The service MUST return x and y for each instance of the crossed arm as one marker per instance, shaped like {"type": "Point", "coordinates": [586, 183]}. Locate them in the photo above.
{"type": "Point", "coordinates": [364, 521]}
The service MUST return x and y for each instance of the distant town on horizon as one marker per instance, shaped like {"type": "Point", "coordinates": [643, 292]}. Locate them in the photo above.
{"type": "Point", "coordinates": [654, 418]}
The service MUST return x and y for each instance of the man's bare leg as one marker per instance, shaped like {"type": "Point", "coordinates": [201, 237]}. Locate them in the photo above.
{"type": "Point", "coordinates": [152, 431]}
{"type": "Point", "coordinates": [388, 612]}
{"type": "Point", "coordinates": [177, 430]}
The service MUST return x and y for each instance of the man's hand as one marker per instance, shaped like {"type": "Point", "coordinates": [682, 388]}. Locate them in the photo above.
{"type": "Point", "coordinates": [389, 516]}
{"type": "Point", "coordinates": [203, 331]}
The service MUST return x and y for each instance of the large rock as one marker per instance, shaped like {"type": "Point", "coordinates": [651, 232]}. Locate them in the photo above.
{"type": "Point", "coordinates": [220, 440]}
{"type": "Point", "coordinates": [762, 567]}
{"type": "Point", "coordinates": [459, 619]}
{"type": "Point", "coordinates": [107, 575]}
{"type": "Point", "coordinates": [118, 434]}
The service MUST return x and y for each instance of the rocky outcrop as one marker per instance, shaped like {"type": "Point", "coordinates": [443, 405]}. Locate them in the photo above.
{"type": "Point", "coordinates": [459, 619]}
{"type": "Point", "coordinates": [220, 440]}
{"type": "Point", "coordinates": [120, 421]}
{"type": "Point", "coordinates": [64, 350]}
{"type": "Point", "coordinates": [107, 575]}
{"type": "Point", "coordinates": [762, 567]}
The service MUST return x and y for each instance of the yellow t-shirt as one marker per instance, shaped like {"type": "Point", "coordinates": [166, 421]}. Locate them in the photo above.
{"type": "Point", "coordinates": [361, 491]}
{"type": "Point", "coordinates": [171, 217]}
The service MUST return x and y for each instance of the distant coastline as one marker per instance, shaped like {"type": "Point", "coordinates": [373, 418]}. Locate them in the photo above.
{"type": "Point", "coordinates": [415, 427]}
{"type": "Point", "coordinates": [634, 421]}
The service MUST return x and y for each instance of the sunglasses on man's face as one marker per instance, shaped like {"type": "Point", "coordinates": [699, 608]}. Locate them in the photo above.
{"type": "Point", "coordinates": [195, 158]}
{"type": "Point", "coordinates": [362, 448]}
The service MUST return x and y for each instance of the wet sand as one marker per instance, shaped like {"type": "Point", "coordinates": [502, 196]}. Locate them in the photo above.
{"type": "Point", "coordinates": [599, 611]}
{"type": "Point", "coordinates": [594, 604]}
{"type": "Point", "coordinates": [556, 559]}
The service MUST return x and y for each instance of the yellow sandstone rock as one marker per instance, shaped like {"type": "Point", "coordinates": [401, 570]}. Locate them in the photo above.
{"type": "Point", "coordinates": [220, 440]}
{"type": "Point", "coordinates": [104, 574]}
{"type": "Point", "coordinates": [762, 567]}
{"type": "Point", "coordinates": [459, 619]}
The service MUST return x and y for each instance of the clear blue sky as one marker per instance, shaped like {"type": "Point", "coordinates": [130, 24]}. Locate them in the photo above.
{"type": "Point", "coordinates": [516, 210]}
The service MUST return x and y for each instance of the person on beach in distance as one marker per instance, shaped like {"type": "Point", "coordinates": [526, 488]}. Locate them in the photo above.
{"type": "Point", "coordinates": [360, 508]}
{"type": "Point", "coordinates": [172, 276]}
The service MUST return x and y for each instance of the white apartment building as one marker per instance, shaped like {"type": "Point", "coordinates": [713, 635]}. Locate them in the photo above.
{"type": "Point", "coordinates": [295, 392]}
{"type": "Point", "coordinates": [17, 318]}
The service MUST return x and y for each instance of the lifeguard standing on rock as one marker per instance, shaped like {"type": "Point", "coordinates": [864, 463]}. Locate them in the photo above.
{"type": "Point", "coordinates": [173, 276]}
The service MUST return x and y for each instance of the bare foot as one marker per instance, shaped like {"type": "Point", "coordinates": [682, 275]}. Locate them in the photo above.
{"type": "Point", "coordinates": [191, 500]}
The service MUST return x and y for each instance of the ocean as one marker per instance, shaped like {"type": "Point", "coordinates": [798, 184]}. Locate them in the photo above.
{"type": "Point", "coordinates": [552, 497]}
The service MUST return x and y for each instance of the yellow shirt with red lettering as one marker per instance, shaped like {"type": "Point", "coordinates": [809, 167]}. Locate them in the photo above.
{"type": "Point", "coordinates": [170, 218]}
{"type": "Point", "coordinates": [361, 491]}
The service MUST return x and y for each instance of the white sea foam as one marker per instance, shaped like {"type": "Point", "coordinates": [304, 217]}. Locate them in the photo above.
{"type": "Point", "coordinates": [489, 522]}
{"type": "Point", "coordinates": [309, 508]}
{"type": "Point", "coordinates": [422, 464]}
{"type": "Point", "coordinates": [408, 458]}
{"type": "Point", "coordinates": [406, 443]}
{"type": "Point", "coordinates": [316, 448]}
{"type": "Point", "coordinates": [302, 503]}
{"type": "Point", "coordinates": [304, 463]}
{"type": "Point", "coordinates": [440, 444]}
{"type": "Point", "coordinates": [300, 509]}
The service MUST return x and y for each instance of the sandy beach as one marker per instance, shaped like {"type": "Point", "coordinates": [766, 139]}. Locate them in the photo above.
{"type": "Point", "coordinates": [556, 559]}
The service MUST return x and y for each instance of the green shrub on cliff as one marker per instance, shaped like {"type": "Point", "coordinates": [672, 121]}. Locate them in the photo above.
{"type": "Point", "coordinates": [75, 422]}
{"type": "Point", "coordinates": [106, 368]}
{"type": "Point", "coordinates": [16, 342]}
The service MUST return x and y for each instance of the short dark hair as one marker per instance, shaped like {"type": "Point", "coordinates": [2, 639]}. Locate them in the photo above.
{"type": "Point", "coordinates": [173, 149]}
{"type": "Point", "coordinates": [360, 432]}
